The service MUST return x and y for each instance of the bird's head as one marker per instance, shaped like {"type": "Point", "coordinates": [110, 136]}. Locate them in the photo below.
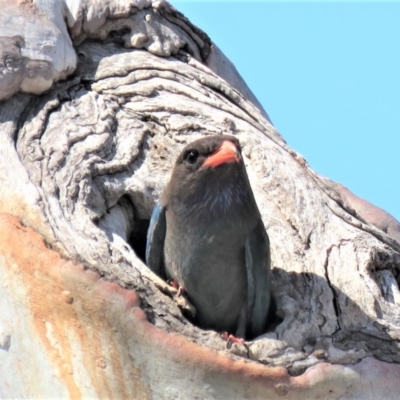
{"type": "Point", "coordinates": [209, 173]}
{"type": "Point", "coordinates": [209, 153]}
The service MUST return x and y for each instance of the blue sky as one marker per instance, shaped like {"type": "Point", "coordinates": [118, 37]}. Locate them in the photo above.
{"type": "Point", "coordinates": [328, 75]}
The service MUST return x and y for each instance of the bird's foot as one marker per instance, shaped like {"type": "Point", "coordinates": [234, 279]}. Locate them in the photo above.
{"type": "Point", "coordinates": [230, 339]}
{"type": "Point", "coordinates": [175, 284]}
{"type": "Point", "coordinates": [181, 299]}
{"type": "Point", "coordinates": [170, 290]}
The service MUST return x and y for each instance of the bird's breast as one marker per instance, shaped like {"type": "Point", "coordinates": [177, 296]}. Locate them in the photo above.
{"type": "Point", "coordinates": [208, 260]}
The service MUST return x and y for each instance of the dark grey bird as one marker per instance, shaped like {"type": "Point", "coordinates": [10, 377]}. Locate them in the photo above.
{"type": "Point", "coordinates": [206, 234]}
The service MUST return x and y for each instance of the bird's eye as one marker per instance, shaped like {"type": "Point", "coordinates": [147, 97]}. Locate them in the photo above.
{"type": "Point", "coordinates": [191, 156]}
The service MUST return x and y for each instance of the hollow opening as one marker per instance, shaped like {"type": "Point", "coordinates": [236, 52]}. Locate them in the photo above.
{"type": "Point", "coordinates": [273, 318]}
{"type": "Point", "coordinates": [137, 239]}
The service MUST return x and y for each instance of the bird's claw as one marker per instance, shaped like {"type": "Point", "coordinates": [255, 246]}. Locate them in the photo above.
{"type": "Point", "coordinates": [173, 292]}
{"type": "Point", "coordinates": [180, 298]}
{"type": "Point", "coordinates": [179, 288]}
{"type": "Point", "coordinates": [230, 339]}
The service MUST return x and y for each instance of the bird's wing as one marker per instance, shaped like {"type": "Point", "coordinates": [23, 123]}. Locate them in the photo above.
{"type": "Point", "coordinates": [258, 279]}
{"type": "Point", "coordinates": [155, 240]}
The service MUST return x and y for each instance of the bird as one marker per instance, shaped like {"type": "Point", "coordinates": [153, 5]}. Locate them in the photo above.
{"type": "Point", "coordinates": [206, 234]}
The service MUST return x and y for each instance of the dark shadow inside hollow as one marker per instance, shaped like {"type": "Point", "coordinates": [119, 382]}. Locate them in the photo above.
{"type": "Point", "coordinates": [137, 239]}
{"type": "Point", "coordinates": [273, 318]}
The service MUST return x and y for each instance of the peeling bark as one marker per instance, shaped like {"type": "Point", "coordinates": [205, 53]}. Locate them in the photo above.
{"type": "Point", "coordinates": [84, 163]}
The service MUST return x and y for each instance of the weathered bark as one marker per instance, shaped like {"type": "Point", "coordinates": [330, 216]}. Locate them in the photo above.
{"type": "Point", "coordinates": [83, 164]}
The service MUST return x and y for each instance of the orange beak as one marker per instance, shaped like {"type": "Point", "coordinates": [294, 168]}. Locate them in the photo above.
{"type": "Point", "coordinates": [227, 152]}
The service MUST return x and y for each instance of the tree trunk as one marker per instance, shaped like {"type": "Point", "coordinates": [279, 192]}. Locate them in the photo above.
{"type": "Point", "coordinates": [98, 100]}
